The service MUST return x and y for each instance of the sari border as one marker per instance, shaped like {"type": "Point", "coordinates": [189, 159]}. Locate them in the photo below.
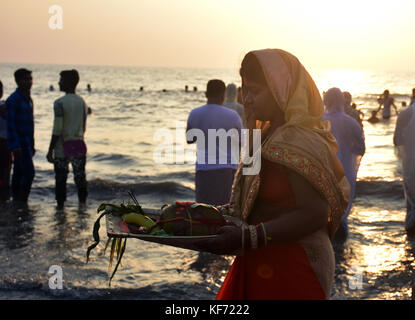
{"type": "Point", "coordinates": [312, 169]}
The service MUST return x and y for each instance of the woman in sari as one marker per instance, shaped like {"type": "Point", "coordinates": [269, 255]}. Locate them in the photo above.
{"type": "Point", "coordinates": [294, 204]}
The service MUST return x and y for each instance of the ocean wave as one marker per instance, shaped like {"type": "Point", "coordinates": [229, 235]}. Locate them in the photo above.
{"type": "Point", "coordinates": [188, 176]}
{"type": "Point", "coordinates": [115, 118]}
{"type": "Point", "coordinates": [118, 159]}
{"type": "Point", "coordinates": [174, 185]}
{"type": "Point", "coordinates": [99, 187]}
{"type": "Point", "coordinates": [380, 188]}
{"type": "Point", "coordinates": [375, 96]}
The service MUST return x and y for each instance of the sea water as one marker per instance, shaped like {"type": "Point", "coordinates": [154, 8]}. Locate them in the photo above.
{"type": "Point", "coordinates": [123, 132]}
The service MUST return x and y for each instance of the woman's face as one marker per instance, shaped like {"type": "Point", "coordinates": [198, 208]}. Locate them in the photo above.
{"type": "Point", "coordinates": [259, 102]}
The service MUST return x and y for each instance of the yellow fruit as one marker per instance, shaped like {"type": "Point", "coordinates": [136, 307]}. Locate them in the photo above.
{"type": "Point", "coordinates": [140, 220]}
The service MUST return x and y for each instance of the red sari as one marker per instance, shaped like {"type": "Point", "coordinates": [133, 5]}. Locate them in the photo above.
{"type": "Point", "coordinates": [276, 271]}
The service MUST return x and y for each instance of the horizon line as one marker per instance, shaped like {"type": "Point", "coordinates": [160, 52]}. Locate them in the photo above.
{"type": "Point", "coordinates": [190, 67]}
{"type": "Point", "coordinates": [110, 65]}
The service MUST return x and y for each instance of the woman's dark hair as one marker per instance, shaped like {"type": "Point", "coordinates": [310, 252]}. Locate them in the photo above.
{"type": "Point", "coordinates": [71, 76]}
{"type": "Point", "coordinates": [250, 68]}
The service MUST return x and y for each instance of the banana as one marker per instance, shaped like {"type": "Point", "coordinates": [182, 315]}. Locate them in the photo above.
{"type": "Point", "coordinates": [140, 220]}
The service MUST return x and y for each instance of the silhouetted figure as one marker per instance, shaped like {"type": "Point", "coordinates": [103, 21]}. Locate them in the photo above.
{"type": "Point", "coordinates": [51, 88]}
{"type": "Point", "coordinates": [231, 103]}
{"type": "Point", "coordinates": [5, 154]}
{"type": "Point", "coordinates": [373, 118]}
{"type": "Point", "coordinates": [240, 99]}
{"type": "Point", "coordinates": [350, 109]}
{"type": "Point", "coordinates": [195, 89]}
{"type": "Point", "coordinates": [186, 88]}
{"type": "Point", "coordinates": [213, 177]}
{"type": "Point", "coordinates": [404, 140]}
{"type": "Point", "coordinates": [89, 110]}
{"type": "Point", "coordinates": [387, 102]}
{"type": "Point", "coordinates": [413, 97]}
{"type": "Point", "coordinates": [351, 145]}
{"type": "Point", "coordinates": [20, 136]}
{"type": "Point", "coordinates": [67, 142]}
{"type": "Point", "coordinates": [141, 88]}
{"type": "Point", "coordinates": [361, 114]}
{"type": "Point", "coordinates": [164, 90]}
{"type": "Point", "coordinates": [403, 104]}
{"type": "Point", "coordinates": [88, 87]}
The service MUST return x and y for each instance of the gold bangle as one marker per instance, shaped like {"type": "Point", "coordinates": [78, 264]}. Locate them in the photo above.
{"type": "Point", "coordinates": [253, 237]}
{"type": "Point", "coordinates": [265, 233]}
{"type": "Point", "coordinates": [222, 210]}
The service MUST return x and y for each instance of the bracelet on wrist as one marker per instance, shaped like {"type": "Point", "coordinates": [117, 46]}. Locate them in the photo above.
{"type": "Point", "coordinates": [254, 236]}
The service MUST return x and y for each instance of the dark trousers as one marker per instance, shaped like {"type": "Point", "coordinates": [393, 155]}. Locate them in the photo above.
{"type": "Point", "coordinates": [23, 175]}
{"type": "Point", "coordinates": [214, 186]}
{"type": "Point", "coordinates": [5, 168]}
{"type": "Point", "coordinates": [61, 167]}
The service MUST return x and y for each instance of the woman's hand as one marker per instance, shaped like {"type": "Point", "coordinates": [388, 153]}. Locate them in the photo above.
{"type": "Point", "coordinates": [227, 241]}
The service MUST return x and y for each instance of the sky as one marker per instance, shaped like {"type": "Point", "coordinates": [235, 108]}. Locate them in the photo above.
{"type": "Point", "coordinates": [323, 34]}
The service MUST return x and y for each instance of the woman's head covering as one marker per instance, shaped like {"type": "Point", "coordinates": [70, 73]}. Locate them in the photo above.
{"type": "Point", "coordinates": [303, 144]}
{"type": "Point", "coordinates": [334, 100]}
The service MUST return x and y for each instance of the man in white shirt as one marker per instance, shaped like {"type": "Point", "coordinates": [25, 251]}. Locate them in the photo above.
{"type": "Point", "coordinates": [217, 131]}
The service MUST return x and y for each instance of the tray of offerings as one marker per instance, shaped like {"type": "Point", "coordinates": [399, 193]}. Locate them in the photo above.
{"type": "Point", "coordinates": [117, 228]}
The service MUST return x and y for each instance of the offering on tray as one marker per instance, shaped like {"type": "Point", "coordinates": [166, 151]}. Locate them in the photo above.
{"type": "Point", "coordinates": [179, 224]}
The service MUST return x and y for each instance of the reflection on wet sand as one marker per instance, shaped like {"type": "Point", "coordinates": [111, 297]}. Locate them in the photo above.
{"type": "Point", "coordinates": [16, 227]}
{"type": "Point", "coordinates": [383, 257]}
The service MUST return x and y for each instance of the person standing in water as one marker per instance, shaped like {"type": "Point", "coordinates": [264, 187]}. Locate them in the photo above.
{"type": "Point", "coordinates": [349, 110]}
{"type": "Point", "coordinates": [387, 102]}
{"type": "Point", "coordinates": [404, 140]}
{"type": "Point", "coordinates": [67, 142]}
{"type": "Point", "coordinates": [214, 177]}
{"type": "Point", "coordinates": [413, 97]}
{"type": "Point", "coordinates": [20, 136]}
{"type": "Point", "coordinates": [5, 155]}
{"type": "Point", "coordinates": [231, 103]}
{"type": "Point", "coordinates": [351, 145]}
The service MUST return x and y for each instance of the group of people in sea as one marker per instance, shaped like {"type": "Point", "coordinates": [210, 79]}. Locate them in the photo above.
{"type": "Point", "coordinates": [291, 210]}
{"type": "Point", "coordinates": [17, 143]}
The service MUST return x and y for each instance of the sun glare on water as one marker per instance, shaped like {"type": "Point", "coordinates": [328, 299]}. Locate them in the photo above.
{"type": "Point", "coordinates": [353, 81]}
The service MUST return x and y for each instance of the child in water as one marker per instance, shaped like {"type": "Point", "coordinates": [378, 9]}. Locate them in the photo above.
{"type": "Point", "coordinates": [373, 118]}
